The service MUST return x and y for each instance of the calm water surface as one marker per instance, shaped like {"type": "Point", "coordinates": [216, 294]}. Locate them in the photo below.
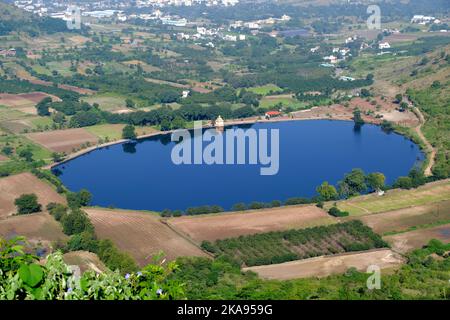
{"type": "Point", "coordinates": [142, 176]}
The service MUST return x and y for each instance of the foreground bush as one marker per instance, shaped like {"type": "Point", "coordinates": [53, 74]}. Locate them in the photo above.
{"type": "Point", "coordinates": [22, 277]}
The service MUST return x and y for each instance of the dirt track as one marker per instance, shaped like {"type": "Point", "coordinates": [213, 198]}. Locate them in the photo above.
{"type": "Point", "coordinates": [325, 266]}
{"type": "Point", "coordinates": [431, 149]}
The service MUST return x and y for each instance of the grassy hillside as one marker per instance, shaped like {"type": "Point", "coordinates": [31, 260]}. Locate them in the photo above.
{"type": "Point", "coordinates": [13, 19]}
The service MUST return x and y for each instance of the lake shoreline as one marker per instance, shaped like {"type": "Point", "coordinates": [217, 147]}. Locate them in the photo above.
{"type": "Point", "coordinates": [228, 123]}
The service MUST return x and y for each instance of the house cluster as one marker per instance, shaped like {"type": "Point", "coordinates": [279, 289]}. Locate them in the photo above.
{"type": "Point", "coordinates": [8, 52]}
{"type": "Point", "coordinates": [186, 3]}
{"type": "Point", "coordinates": [36, 7]}
{"type": "Point", "coordinates": [257, 24]}
{"type": "Point", "coordinates": [209, 34]}
{"type": "Point", "coordinates": [424, 20]}
{"type": "Point", "coordinates": [337, 54]}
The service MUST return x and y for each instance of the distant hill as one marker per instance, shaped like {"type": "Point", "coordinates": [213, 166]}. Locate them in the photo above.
{"type": "Point", "coordinates": [13, 19]}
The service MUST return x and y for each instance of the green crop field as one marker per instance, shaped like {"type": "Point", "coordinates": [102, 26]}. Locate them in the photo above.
{"type": "Point", "coordinates": [265, 90]}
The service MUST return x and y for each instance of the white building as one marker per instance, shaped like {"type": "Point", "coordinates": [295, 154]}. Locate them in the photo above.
{"type": "Point", "coordinates": [332, 59]}
{"type": "Point", "coordinates": [185, 94]}
{"type": "Point", "coordinates": [421, 19]}
{"type": "Point", "coordinates": [252, 25]}
{"type": "Point", "coordinates": [228, 37]}
{"type": "Point", "coordinates": [384, 45]}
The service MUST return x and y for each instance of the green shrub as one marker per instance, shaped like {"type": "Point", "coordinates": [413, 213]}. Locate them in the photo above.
{"type": "Point", "coordinates": [27, 203]}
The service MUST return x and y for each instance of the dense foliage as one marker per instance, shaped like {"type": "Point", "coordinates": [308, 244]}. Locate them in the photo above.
{"type": "Point", "coordinates": [24, 277]}
{"type": "Point", "coordinates": [27, 203]}
{"type": "Point", "coordinates": [76, 224]}
{"type": "Point", "coordinates": [424, 276]}
{"type": "Point", "coordinates": [278, 247]}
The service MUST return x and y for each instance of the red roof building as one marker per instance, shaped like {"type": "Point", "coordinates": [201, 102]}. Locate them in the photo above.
{"type": "Point", "coordinates": [270, 114]}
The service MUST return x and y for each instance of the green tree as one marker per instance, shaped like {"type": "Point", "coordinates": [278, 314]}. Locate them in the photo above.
{"type": "Point", "coordinates": [327, 192]}
{"type": "Point", "coordinates": [165, 125]}
{"type": "Point", "coordinates": [85, 197]}
{"type": "Point", "coordinates": [7, 150]}
{"type": "Point", "coordinates": [398, 98]}
{"type": "Point", "coordinates": [403, 183]}
{"type": "Point", "coordinates": [129, 103]}
{"type": "Point", "coordinates": [43, 107]}
{"type": "Point", "coordinates": [357, 118]}
{"type": "Point", "coordinates": [178, 123]}
{"type": "Point", "coordinates": [403, 106]}
{"type": "Point", "coordinates": [57, 157]}
{"type": "Point", "coordinates": [26, 154]}
{"type": "Point", "coordinates": [376, 180]}
{"type": "Point", "coordinates": [79, 199]}
{"type": "Point", "coordinates": [353, 183]}
{"type": "Point", "coordinates": [129, 132]}
{"type": "Point", "coordinates": [239, 207]}
{"type": "Point", "coordinates": [27, 203]}
{"type": "Point", "coordinates": [75, 222]}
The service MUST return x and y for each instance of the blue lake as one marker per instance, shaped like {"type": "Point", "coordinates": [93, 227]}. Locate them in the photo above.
{"type": "Point", "coordinates": [142, 175]}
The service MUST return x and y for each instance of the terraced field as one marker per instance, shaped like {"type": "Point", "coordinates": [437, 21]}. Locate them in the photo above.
{"type": "Point", "coordinates": [141, 234]}
{"type": "Point", "coordinates": [13, 187]}
{"type": "Point", "coordinates": [228, 225]}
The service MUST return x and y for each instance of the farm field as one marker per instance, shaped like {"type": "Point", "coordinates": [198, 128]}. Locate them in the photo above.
{"type": "Point", "coordinates": [265, 90]}
{"type": "Point", "coordinates": [108, 102]}
{"type": "Point", "coordinates": [63, 140]}
{"type": "Point", "coordinates": [14, 186]}
{"type": "Point", "coordinates": [284, 100]}
{"type": "Point", "coordinates": [141, 234]}
{"type": "Point", "coordinates": [37, 228]}
{"type": "Point", "coordinates": [324, 266]}
{"type": "Point", "coordinates": [228, 225]}
{"type": "Point", "coordinates": [114, 131]}
{"type": "Point", "coordinates": [283, 246]}
{"type": "Point", "coordinates": [145, 66]}
{"type": "Point", "coordinates": [170, 83]}
{"type": "Point", "coordinates": [404, 242]}
{"type": "Point", "coordinates": [24, 102]}
{"type": "Point", "coordinates": [397, 199]}
{"type": "Point", "coordinates": [405, 219]}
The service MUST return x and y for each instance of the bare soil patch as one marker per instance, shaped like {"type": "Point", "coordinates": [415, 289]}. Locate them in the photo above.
{"type": "Point", "coordinates": [325, 266]}
{"type": "Point", "coordinates": [400, 37]}
{"type": "Point", "coordinates": [384, 108]}
{"type": "Point", "coordinates": [400, 220]}
{"type": "Point", "coordinates": [416, 239]}
{"type": "Point", "coordinates": [13, 187]}
{"type": "Point", "coordinates": [86, 261]}
{"type": "Point", "coordinates": [63, 140]}
{"type": "Point", "coordinates": [141, 234]}
{"type": "Point", "coordinates": [229, 225]}
{"type": "Point", "coordinates": [25, 102]}
{"type": "Point", "coordinates": [37, 228]}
